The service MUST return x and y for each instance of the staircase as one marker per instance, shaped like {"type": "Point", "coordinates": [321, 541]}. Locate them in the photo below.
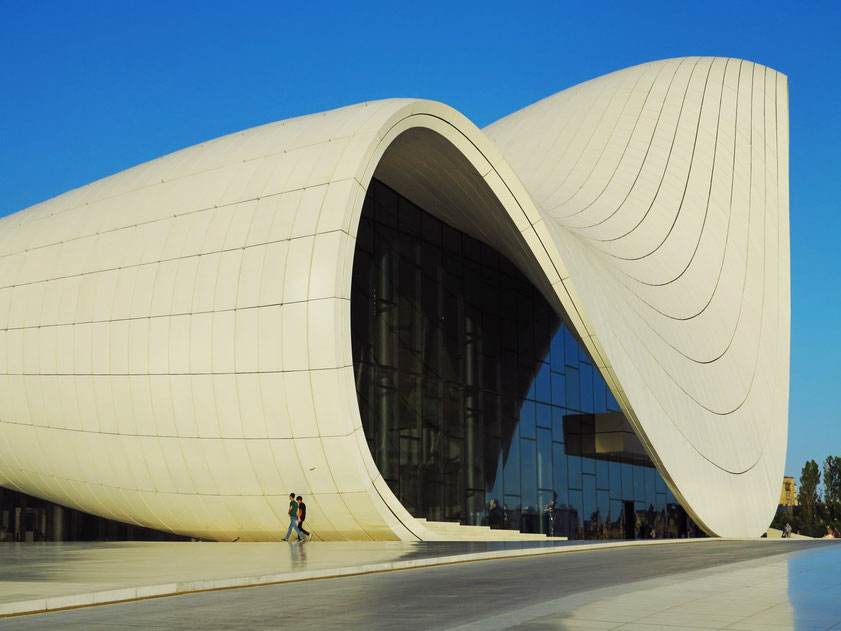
{"type": "Point", "coordinates": [452, 531]}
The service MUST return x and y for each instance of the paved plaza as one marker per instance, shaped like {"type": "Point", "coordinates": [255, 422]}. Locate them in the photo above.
{"type": "Point", "coordinates": [713, 584]}
{"type": "Point", "coordinates": [50, 576]}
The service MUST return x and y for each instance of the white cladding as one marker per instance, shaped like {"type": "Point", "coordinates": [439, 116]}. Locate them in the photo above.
{"type": "Point", "coordinates": [175, 339]}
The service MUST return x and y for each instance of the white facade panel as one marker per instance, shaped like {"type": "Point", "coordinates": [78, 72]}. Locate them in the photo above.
{"type": "Point", "coordinates": [175, 342]}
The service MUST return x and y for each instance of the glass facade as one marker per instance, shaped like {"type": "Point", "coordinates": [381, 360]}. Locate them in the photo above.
{"type": "Point", "coordinates": [24, 518]}
{"type": "Point", "coordinates": [478, 404]}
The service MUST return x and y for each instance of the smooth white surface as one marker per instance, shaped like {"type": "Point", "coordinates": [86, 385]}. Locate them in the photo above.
{"type": "Point", "coordinates": [175, 339]}
{"type": "Point", "coordinates": [667, 188]}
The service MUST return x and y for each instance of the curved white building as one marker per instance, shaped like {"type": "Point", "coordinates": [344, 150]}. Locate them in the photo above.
{"type": "Point", "coordinates": [176, 348]}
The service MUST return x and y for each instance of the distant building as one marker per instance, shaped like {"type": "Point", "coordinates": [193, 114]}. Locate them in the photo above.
{"type": "Point", "coordinates": [788, 494]}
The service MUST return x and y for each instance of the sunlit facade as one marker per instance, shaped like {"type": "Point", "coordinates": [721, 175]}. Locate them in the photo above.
{"type": "Point", "coordinates": [573, 322]}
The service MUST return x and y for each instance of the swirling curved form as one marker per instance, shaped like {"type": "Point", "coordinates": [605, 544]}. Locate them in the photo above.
{"type": "Point", "coordinates": [666, 184]}
{"type": "Point", "coordinates": [187, 321]}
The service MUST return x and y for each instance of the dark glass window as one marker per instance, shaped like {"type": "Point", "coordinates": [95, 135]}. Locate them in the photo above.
{"type": "Point", "coordinates": [511, 469]}
{"type": "Point", "coordinates": [528, 478]}
{"type": "Point", "coordinates": [573, 391]}
{"type": "Point", "coordinates": [543, 388]}
{"type": "Point", "coordinates": [544, 459]}
{"type": "Point", "coordinates": [478, 403]}
{"type": "Point", "coordinates": [603, 474]}
{"type": "Point", "coordinates": [558, 385]}
{"type": "Point", "coordinates": [559, 474]}
{"type": "Point", "coordinates": [585, 374]}
{"type": "Point", "coordinates": [615, 480]}
{"type": "Point", "coordinates": [527, 419]}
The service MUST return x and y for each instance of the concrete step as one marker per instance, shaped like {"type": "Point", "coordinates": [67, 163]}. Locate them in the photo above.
{"type": "Point", "coordinates": [453, 531]}
{"type": "Point", "coordinates": [454, 526]}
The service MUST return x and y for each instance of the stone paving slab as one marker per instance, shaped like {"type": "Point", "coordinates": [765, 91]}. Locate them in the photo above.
{"type": "Point", "coordinates": [49, 576]}
{"type": "Point", "coordinates": [797, 591]}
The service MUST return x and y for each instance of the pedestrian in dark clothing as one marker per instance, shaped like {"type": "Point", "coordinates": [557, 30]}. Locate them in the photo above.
{"type": "Point", "coordinates": [302, 515]}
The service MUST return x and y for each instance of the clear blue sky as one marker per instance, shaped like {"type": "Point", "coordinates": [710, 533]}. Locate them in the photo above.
{"type": "Point", "coordinates": [91, 88]}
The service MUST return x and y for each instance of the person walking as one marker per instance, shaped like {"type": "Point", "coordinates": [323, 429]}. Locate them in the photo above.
{"type": "Point", "coordinates": [302, 515]}
{"type": "Point", "coordinates": [293, 518]}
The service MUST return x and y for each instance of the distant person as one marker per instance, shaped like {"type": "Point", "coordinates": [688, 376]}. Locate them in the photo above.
{"type": "Point", "coordinates": [787, 531]}
{"type": "Point", "coordinates": [302, 515]}
{"type": "Point", "coordinates": [829, 534]}
{"type": "Point", "coordinates": [496, 518]}
{"type": "Point", "coordinates": [293, 518]}
{"type": "Point", "coordinates": [836, 533]}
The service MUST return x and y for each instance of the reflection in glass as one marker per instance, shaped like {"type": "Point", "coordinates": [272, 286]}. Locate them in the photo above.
{"type": "Point", "coordinates": [478, 403]}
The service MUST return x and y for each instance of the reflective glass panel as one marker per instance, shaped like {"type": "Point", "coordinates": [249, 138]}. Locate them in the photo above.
{"type": "Point", "coordinates": [478, 403]}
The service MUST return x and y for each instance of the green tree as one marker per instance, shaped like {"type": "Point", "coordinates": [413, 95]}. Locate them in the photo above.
{"type": "Point", "coordinates": [832, 486]}
{"type": "Point", "coordinates": [810, 477]}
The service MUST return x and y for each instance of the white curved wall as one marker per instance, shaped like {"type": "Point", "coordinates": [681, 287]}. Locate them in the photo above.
{"type": "Point", "coordinates": [174, 339]}
{"type": "Point", "coordinates": [667, 188]}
